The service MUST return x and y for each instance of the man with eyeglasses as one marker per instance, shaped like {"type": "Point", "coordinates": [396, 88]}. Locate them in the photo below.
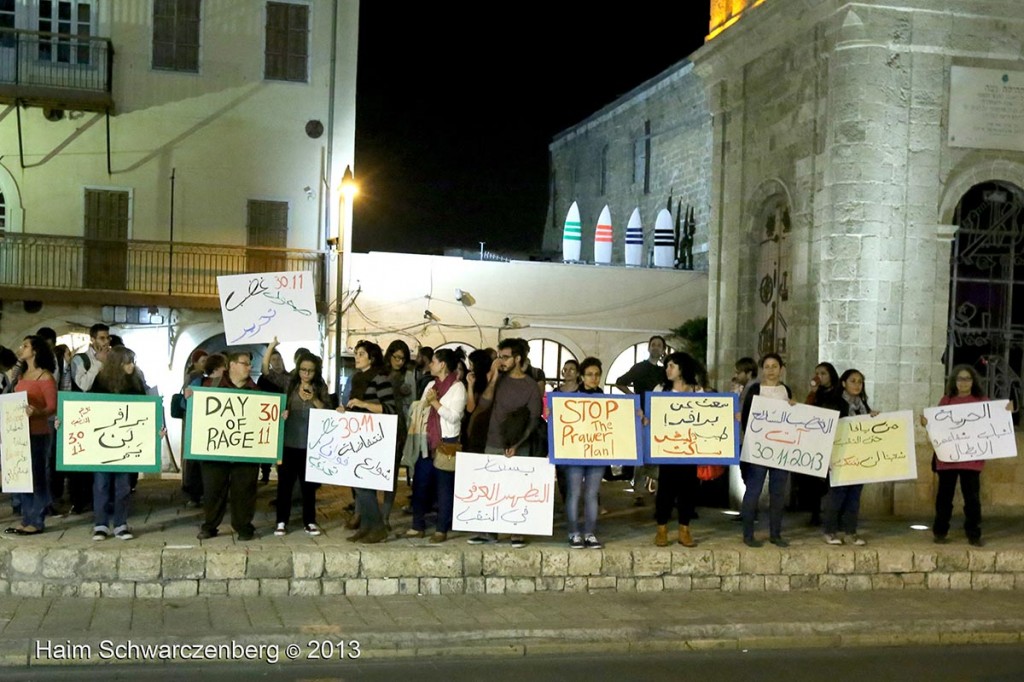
{"type": "Point", "coordinates": [225, 481]}
{"type": "Point", "coordinates": [513, 393]}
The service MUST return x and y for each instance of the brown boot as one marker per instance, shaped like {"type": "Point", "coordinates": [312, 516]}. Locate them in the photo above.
{"type": "Point", "coordinates": [353, 522]}
{"type": "Point", "coordinates": [685, 539]}
{"type": "Point", "coordinates": [661, 537]}
{"type": "Point", "coordinates": [358, 535]}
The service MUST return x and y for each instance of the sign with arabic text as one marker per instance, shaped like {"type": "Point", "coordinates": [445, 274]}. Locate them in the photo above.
{"type": "Point", "coordinates": [228, 424]}
{"type": "Point", "coordinates": [692, 428]}
{"type": "Point", "coordinates": [588, 428]}
{"type": "Point", "coordinates": [261, 306]}
{"type": "Point", "coordinates": [15, 446]}
{"type": "Point", "coordinates": [874, 449]}
{"type": "Point", "coordinates": [796, 438]}
{"type": "Point", "coordinates": [971, 431]}
{"type": "Point", "coordinates": [498, 494]}
{"type": "Point", "coordinates": [352, 448]}
{"type": "Point", "coordinates": [107, 432]}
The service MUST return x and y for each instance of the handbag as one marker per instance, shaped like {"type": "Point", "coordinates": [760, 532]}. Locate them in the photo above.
{"type": "Point", "coordinates": [444, 456]}
{"type": "Point", "coordinates": [709, 472]}
{"type": "Point", "coordinates": [179, 406]}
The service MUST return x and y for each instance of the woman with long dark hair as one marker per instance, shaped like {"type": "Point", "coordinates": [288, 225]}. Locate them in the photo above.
{"type": "Point", "coordinates": [403, 385]}
{"type": "Point", "coordinates": [112, 490]}
{"type": "Point", "coordinates": [371, 391]}
{"type": "Point", "coordinates": [842, 504]}
{"type": "Point", "coordinates": [38, 382]}
{"type": "Point", "coordinates": [306, 390]}
{"type": "Point", "coordinates": [826, 392]}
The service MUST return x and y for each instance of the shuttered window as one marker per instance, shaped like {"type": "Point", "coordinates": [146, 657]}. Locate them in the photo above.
{"type": "Point", "coordinates": [287, 42]}
{"type": "Point", "coordinates": [176, 35]}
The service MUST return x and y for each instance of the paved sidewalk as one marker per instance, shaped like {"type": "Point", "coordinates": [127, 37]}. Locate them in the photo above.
{"type": "Point", "coordinates": [48, 631]}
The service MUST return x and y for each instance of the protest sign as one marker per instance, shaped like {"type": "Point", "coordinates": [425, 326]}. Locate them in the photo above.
{"type": "Point", "coordinates": [874, 449]}
{"type": "Point", "coordinates": [352, 448]}
{"type": "Point", "coordinates": [796, 438]}
{"type": "Point", "coordinates": [971, 431]}
{"type": "Point", "coordinates": [692, 428]}
{"type": "Point", "coordinates": [587, 428]}
{"type": "Point", "coordinates": [15, 447]}
{"type": "Point", "coordinates": [227, 424]}
{"type": "Point", "coordinates": [259, 307]}
{"type": "Point", "coordinates": [498, 494]}
{"type": "Point", "coordinates": [106, 432]}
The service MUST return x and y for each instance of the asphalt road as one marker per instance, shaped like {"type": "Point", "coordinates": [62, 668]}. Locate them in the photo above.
{"type": "Point", "coordinates": [931, 664]}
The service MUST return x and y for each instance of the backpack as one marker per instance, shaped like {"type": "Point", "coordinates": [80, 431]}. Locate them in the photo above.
{"type": "Point", "coordinates": [86, 362]}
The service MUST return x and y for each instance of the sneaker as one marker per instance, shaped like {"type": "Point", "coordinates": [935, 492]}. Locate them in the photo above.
{"type": "Point", "coordinates": [591, 542]}
{"type": "Point", "coordinates": [124, 535]}
{"type": "Point", "coordinates": [312, 529]}
{"type": "Point", "coordinates": [779, 542]}
{"type": "Point", "coordinates": [832, 539]}
{"type": "Point", "coordinates": [99, 534]}
{"type": "Point", "coordinates": [438, 537]}
{"type": "Point", "coordinates": [281, 530]}
{"type": "Point", "coordinates": [518, 541]}
{"type": "Point", "coordinates": [857, 540]}
{"type": "Point", "coordinates": [576, 541]}
{"type": "Point", "coordinates": [482, 540]}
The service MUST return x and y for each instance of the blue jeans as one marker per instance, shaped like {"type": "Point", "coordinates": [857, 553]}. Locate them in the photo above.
{"type": "Point", "coordinates": [585, 480]}
{"type": "Point", "coordinates": [427, 482]}
{"type": "Point", "coordinates": [111, 494]}
{"type": "Point", "coordinates": [33, 505]}
{"type": "Point", "coordinates": [777, 479]}
{"type": "Point", "coordinates": [842, 507]}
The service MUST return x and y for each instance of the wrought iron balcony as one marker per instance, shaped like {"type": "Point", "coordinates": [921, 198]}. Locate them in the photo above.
{"type": "Point", "coordinates": [73, 269]}
{"type": "Point", "coordinates": [56, 70]}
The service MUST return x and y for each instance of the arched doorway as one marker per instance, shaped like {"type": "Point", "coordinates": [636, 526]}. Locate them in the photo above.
{"type": "Point", "coordinates": [773, 276]}
{"type": "Point", "coordinates": [986, 313]}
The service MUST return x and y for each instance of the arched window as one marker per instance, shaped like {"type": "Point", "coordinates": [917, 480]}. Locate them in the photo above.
{"type": "Point", "coordinates": [466, 348]}
{"type": "Point", "coordinates": [549, 356]}
{"type": "Point", "coordinates": [986, 318]}
{"type": "Point", "coordinates": [773, 276]}
{"type": "Point", "coordinates": [624, 361]}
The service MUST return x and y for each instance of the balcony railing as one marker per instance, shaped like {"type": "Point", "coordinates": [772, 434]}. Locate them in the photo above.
{"type": "Point", "coordinates": [44, 262]}
{"type": "Point", "coordinates": [56, 70]}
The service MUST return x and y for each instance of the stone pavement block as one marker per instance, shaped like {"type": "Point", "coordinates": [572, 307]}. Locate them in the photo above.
{"type": "Point", "coordinates": [730, 583]}
{"type": "Point", "coordinates": [378, 587]}
{"type": "Point", "coordinates": [554, 562]}
{"type": "Point", "coordinates": [777, 583]}
{"type": "Point", "coordinates": [650, 562]}
{"type": "Point", "coordinates": [472, 585]}
{"type": "Point", "coordinates": [981, 561]}
{"type": "Point", "coordinates": [841, 561]}
{"type": "Point", "coordinates": [649, 585]}
{"type": "Point", "coordinates": [207, 587]}
{"type": "Point", "coordinates": [119, 589]}
{"type": "Point", "coordinates": [693, 562]}
{"type": "Point", "coordinates": [677, 583]}
{"type": "Point", "coordinates": [225, 564]}
{"type": "Point", "coordinates": [269, 563]}
{"type": "Point", "coordinates": [1010, 561]}
{"type": "Point", "coordinates": [243, 588]}
{"type": "Point", "coordinates": [914, 581]}
{"type": "Point", "coordinates": [727, 562]}
{"type": "Point", "coordinates": [273, 587]}
{"type": "Point", "coordinates": [521, 586]}
{"type": "Point", "coordinates": [306, 563]}
{"type": "Point", "coordinates": [805, 582]}
{"type": "Point", "coordinates": [886, 581]}
{"type": "Point", "coordinates": [138, 563]}
{"type": "Point", "coordinates": [605, 582]}
{"type": "Point", "coordinates": [832, 582]}
{"type": "Point", "coordinates": [513, 563]}
{"type": "Point", "coordinates": [924, 561]}
{"type": "Point", "coordinates": [804, 561]}
{"type": "Point", "coordinates": [582, 562]}
{"type": "Point", "coordinates": [408, 585]}
{"type": "Point", "coordinates": [960, 581]}
{"type": "Point", "coordinates": [865, 561]}
{"type": "Point", "coordinates": [895, 560]}
{"type": "Point", "coordinates": [858, 583]}
{"type": "Point", "coordinates": [89, 590]}
{"type": "Point", "coordinates": [304, 588]}
{"type": "Point", "coordinates": [332, 587]}
{"type": "Point", "coordinates": [494, 585]}
{"type": "Point", "coordinates": [98, 564]}
{"type": "Point", "coordinates": [60, 563]}
{"type": "Point", "coordinates": [430, 586]}
{"type": "Point", "coordinates": [550, 584]}
{"type": "Point", "coordinates": [950, 561]}
{"type": "Point", "coordinates": [992, 581]}
{"type": "Point", "coordinates": [60, 590]}
{"type": "Point", "coordinates": [751, 583]}
{"type": "Point", "coordinates": [575, 583]}
{"type": "Point", "coordinates": [473, 561]}
{"type": "Point", "coordinates": [27, 560]}
{"type": "Point", "coordinates": [625, 584]}
{"type": "Point", "coordinates": [341, 563]}
{"type": "Point", "coordinates": [177, 564]}
{"type": "Point", "coordinates": [149, 591]}
{"type": "Point", "coordinates": [617, 562]}
{"type": "Point", "coordinates": [454, 585]}
{"type": "Point", "coordinates": [937, 581]}
{"type": "Point", "coordinates": [708, 582]}
{"type": "Point", "coordinates": [763, 562]}
{"type": "Point", "coordinates": [177, 589]}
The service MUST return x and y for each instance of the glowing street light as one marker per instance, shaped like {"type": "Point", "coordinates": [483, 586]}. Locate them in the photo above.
{"type": "Point", "coordinates": [347, 193]}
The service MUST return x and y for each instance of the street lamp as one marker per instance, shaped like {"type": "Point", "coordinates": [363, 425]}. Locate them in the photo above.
{"type": "Point", "coordinates": [347, 192]}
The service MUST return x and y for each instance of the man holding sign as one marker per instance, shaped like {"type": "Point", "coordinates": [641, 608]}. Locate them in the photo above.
{"type": "Point", "coordinates": [226, 480]}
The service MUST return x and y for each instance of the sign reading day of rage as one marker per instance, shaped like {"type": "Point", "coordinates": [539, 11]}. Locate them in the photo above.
{"type": "Point", "coordinates": [15, 448]}
{"type": "Point", "coordinates": [693, 428]}
{"type": "Point", "coordinates": [792, 437]}
{"type": "Point", "coordinates": [498, 494]}
{"type": "Point", "coordinates": [874, 449]}
{"type": "Point", "coordinates": [972, 431]}
{"type": "Point", "coordinates": [259, 307]}
{"type": "Point", "coordinates": [594, 429]}
{"type": "Point", "coordinates": [227, 424]}
{"type": "Point", "coordinates": [102, 432]}
{"type": "Point", "coordinates": [354, 448]}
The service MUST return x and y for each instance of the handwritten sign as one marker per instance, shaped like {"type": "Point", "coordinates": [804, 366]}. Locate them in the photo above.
{"type": "Point", "coordinates": [792, 437]}
{"type": "Point", "coordinates": [258, 307]}
{"type": "Point", "coordinates": [594, 429]}
{"type": "Point", "coordinates": [354, 448]}
{"type": "Point", "coordinates": [693, 428]}
{"type": "Point", "coordinates": [972, 431]}
{"type": "Point", "coordinates": [104, 432]}
{"type": "Point", "coordinates": [15, 447]}
{"type": "Point", "coordinates": [227, 424]}
{"type": "Point", "coordinates": [874, 449]}
{"type": "Point", "coordinates": [498, 494]}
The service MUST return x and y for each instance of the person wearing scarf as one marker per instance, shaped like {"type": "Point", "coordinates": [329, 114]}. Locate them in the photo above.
{"type": "Point", "coordinates": [446, 396]}
{"type": "Point", "coordinates": [842, 504]}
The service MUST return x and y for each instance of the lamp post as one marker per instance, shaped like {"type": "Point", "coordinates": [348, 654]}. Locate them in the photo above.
{"type": "Point", "coordinates": [348, 190]}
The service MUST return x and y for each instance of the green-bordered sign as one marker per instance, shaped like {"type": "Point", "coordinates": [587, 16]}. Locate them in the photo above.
{"type": "Point", "coordinates": [228, 424]}
{"type": "Point", "coordinates": [107, 432]}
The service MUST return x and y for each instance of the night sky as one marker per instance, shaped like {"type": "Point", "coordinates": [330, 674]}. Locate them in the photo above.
{"type": "Point", "coordinates": [457, 103]}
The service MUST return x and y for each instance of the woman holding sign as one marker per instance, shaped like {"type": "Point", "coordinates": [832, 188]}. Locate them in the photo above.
{"type": "Point", "coordinates": [40, 387]}
{"type": "Point", "coordinates": [446, 396]}
{"type": "Point", "coordinates": [306, 390]}
{"type": "Point", "coordinates": [371, 392]}
{"type": "Point", "coordinates": [112, 490]}
{"type": "Point", "coordinates": [770, 386]}
{"type": "Point", "coordinates": [842, 504]}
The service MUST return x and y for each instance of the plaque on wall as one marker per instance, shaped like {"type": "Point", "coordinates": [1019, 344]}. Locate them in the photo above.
{"type": "Point", "coordinates": [986, 108]}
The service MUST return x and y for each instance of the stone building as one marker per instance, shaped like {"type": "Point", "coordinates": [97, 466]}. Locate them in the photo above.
{"type": "Point", "coordinates": [863, 193]}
